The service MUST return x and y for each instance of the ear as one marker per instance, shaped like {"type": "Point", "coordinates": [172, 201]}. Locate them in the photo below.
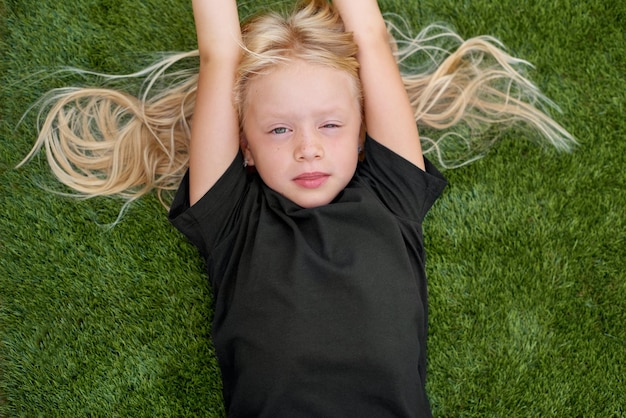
{"type": "Point", "coordinates": [362, 134]}
{"type": "Point", "coordinates": [362, 142]}
{"type": "Point", "coordinates": [245, 149]}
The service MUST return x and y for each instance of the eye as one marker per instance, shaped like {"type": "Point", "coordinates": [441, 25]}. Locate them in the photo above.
{"type": "Point", "coordinates": [279, 131]}
{"type": "Point", "coordinates": [330, 125]}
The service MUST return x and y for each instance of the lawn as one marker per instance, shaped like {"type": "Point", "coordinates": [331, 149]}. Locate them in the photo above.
{"type": "Point", "coordinates": [527, 246]}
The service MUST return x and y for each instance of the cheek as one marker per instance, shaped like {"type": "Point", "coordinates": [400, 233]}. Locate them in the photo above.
{"type": "Point", "coordinates": [270, 158]}
{"type": "Point", "coordinates": [346, 155]}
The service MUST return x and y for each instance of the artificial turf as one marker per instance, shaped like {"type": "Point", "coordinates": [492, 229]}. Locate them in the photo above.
{"type": "Point", "coordinates": [527, 246]}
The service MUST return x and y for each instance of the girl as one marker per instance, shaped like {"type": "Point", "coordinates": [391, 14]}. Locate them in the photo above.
{"type": "Point", "coordinates": [304, 192]}
{"type": "Point", "coordinates": [317, 265]}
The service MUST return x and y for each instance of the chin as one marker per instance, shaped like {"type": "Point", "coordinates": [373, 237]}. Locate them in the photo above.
{"type": "Point", "coordinates": [313, 202]}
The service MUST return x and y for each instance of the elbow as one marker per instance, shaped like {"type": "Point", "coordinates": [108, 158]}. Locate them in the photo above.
{"type": "Point", "coordinates": [219, 64]}
{"type": "Point", "coordinates": [372, 32]}
{"type": "Point", "coordinates": [223, 56]}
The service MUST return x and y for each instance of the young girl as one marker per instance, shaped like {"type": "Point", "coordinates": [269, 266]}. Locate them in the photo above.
{"type": "Point", "coordinates": [317, 262]}
{"type": "Point", "coordinates": [305, 193]}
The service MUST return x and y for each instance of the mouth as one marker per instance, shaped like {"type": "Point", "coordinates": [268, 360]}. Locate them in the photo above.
{"type": "Point", "coordinates": [311, 180]}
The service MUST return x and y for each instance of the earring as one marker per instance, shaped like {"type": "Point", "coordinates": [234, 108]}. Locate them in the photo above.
{"type": "Point", "coordinates": [360, 149]}
{"type": "Point", "coordinates": [245, 163]}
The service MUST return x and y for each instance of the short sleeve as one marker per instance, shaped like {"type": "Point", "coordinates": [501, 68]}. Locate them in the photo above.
{"type": "Point", "coordinates": [408, 191]}
{"type": "Point", "coordinates": [208, 220]}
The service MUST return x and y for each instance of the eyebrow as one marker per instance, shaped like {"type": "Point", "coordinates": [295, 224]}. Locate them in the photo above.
{"type": "Point", "coordinates": [325, 110]}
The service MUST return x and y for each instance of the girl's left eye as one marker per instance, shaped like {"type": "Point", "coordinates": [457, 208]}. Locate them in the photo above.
{"type": "Point", "coordinates": [330, 125]}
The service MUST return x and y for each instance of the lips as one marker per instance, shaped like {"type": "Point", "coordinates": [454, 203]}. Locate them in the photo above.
{"type": "Point", "coordinates": [311, 180]}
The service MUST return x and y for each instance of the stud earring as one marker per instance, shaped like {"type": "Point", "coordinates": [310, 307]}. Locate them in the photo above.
{"type": "Point", "coordinates": [360, 149]}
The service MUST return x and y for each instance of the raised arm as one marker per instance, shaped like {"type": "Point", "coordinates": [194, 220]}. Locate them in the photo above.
{"type": "Point", "coordinates": [388, 113]}
{"type": "Point", "coordinates": [215, 128]}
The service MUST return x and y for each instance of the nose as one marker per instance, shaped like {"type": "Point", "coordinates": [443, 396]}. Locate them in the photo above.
{"type": "Point", "coordinates": [308, 147]}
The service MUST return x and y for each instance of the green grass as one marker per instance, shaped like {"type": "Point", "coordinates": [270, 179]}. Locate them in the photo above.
{"type": "Point", "coordinates": [527, 247]}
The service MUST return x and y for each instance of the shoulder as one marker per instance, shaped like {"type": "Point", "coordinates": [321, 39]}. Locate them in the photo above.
{"type": "Point", "coordinates": [402, 186]}
{"type": "Point", "coordinates": [207, 220]}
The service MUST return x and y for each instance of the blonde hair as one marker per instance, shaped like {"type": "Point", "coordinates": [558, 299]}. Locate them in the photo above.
{"type": "Point", "coordinates": [470, 96]}
{"type": "Point", "coordinates": [105, 142]}
{"type": "Point", "coordinates": [313, 33]}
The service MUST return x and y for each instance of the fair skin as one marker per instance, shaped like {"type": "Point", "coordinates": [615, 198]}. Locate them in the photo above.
{"type": "Point", "coordinates": [388, 112]}
{"type": "Point", "coordinates": [215, 132]}
{"type": "Point", "coordinates": [303, 138]}
{"type": "Point", "coordinates": [215, 129]}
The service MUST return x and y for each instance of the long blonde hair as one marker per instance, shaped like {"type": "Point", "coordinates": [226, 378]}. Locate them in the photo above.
{"type": "Point", "coordinates": [106, 142]}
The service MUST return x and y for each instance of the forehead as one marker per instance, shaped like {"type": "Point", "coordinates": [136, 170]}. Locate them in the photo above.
{"type": "Point", "coordinates": [299, 82]}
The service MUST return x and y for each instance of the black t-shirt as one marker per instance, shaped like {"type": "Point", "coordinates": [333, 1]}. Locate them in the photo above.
{"type": "Point", "coordinates": [319, 312]}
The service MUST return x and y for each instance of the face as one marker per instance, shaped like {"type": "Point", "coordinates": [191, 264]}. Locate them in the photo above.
{"type": "Point", "coordinates": [301, 129]}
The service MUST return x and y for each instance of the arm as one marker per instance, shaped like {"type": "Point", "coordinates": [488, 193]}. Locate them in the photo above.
{"type": "Point", "coordinates": [215, 128]}
{"type": "Point", "coordinates": [388, 112]}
